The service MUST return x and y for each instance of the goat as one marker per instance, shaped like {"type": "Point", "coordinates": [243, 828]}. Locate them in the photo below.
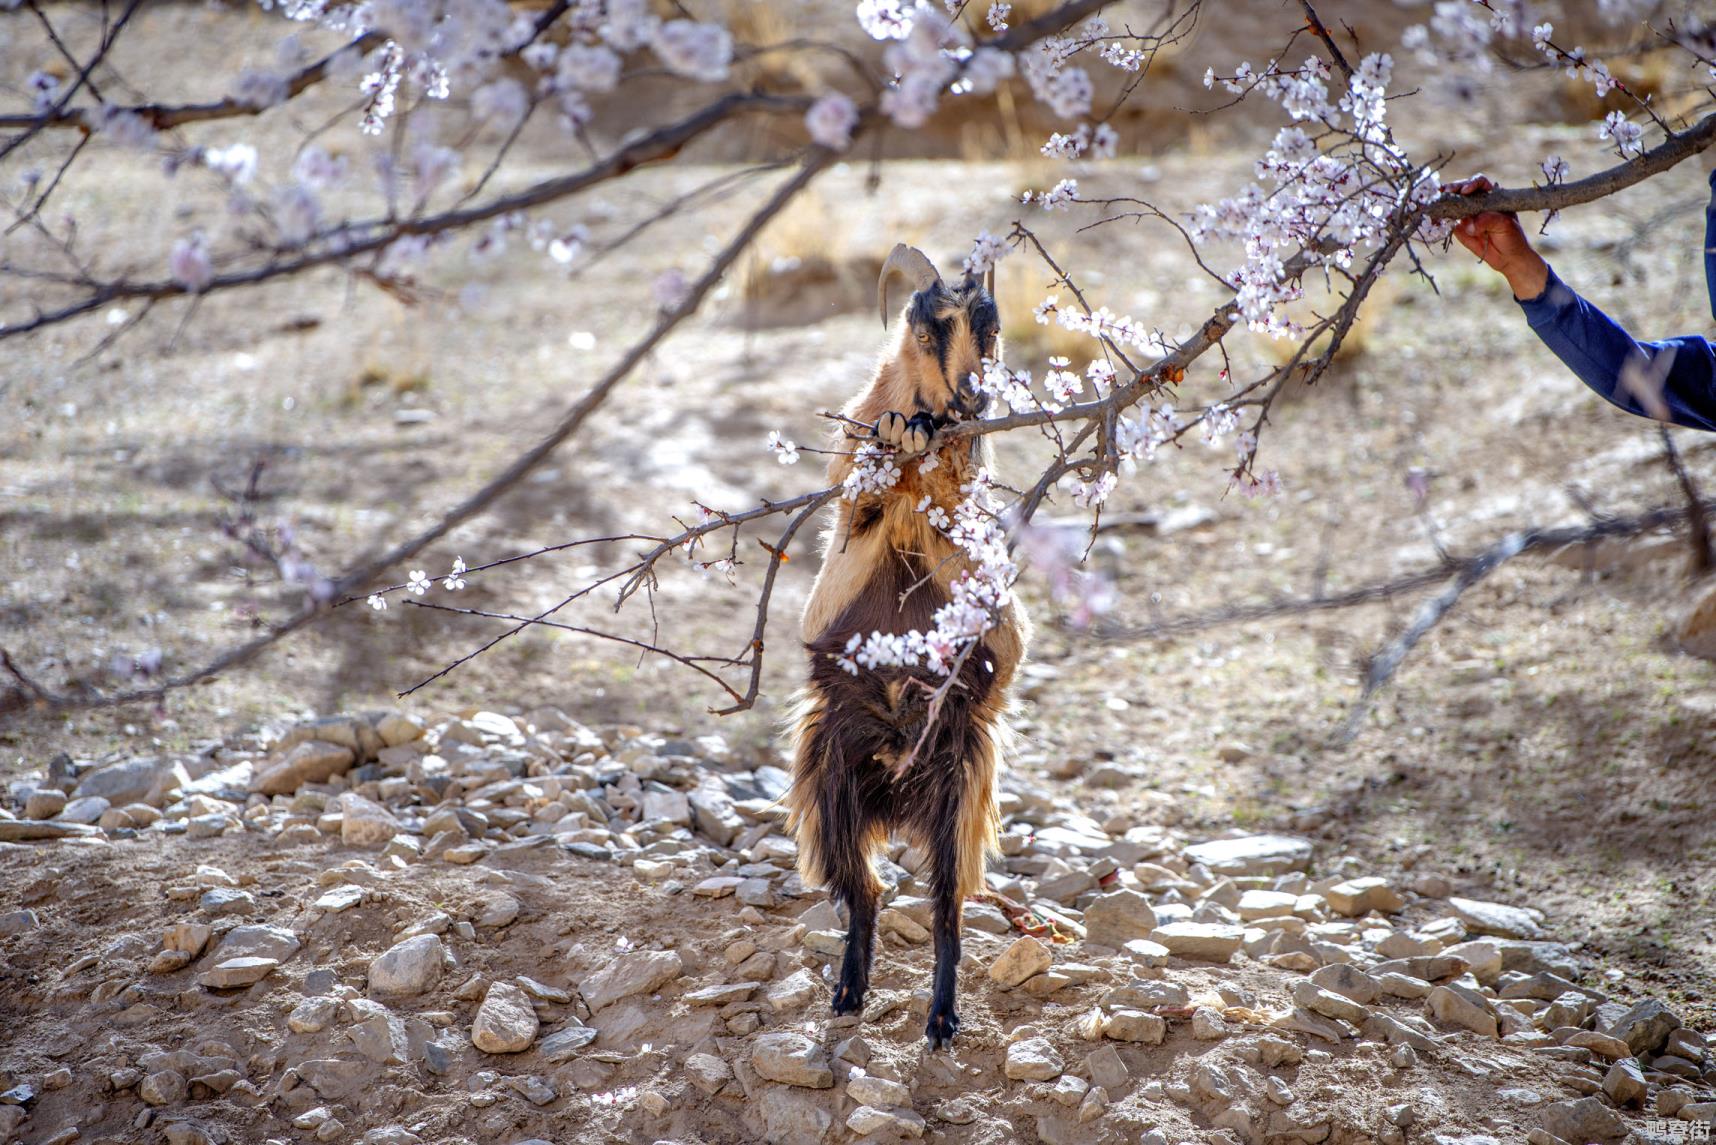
{"type": "Point", "coordinates": [858, 769]}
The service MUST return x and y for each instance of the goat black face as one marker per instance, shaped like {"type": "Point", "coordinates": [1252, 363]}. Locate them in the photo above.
{"type": "Point", "coordinates": [952, 330]}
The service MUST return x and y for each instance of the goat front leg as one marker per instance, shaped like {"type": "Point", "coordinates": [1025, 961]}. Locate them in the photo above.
{"type": "Point", "coordinates": [907, 434]}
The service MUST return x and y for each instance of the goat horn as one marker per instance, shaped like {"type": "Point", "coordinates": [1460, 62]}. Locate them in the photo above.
{"type": "Point", "coordinates": [911, 262]}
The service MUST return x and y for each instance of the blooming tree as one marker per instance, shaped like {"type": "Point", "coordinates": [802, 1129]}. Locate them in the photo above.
{"type": "Point", "coordinates": [1335, 196]}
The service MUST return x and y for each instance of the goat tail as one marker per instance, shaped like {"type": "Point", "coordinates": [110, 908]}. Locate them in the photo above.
{"type": "Point", "coordinates": [825, 813]}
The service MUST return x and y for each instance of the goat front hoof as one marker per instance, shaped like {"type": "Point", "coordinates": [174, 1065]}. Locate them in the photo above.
{"type": "Point", "coordinates": [891, 428]}
{"type": "Point", "coordinates": [848, 998]}
{"type": "Point", "coordinates": [940, 1030]}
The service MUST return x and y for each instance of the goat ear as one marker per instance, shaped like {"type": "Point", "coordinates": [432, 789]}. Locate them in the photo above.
{"type": "Point", "coordinates": [911, 263]}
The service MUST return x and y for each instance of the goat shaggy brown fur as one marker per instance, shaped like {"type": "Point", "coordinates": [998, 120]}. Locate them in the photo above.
{"type": "Point", "coordinates": [859, 772]}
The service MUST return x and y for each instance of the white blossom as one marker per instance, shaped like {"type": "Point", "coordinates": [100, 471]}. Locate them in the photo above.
{"type": "Point", "coordinates": [1626, 135]}
{"type": "Point", "coordinates": [830, 121]}
{"type": "Point", "coordinates": [986, 251]}
{"type": "Point", "coordinates": [418, 582]}
{"type": "Point", "coordinates": [455, 580]}
{"type": "Point", "coordinates": [188, 263]}
{"type": "Point", "coordinates": [236, 162]}
{"type": "Point", "coordinates": [378, 602]}
{"type": "Point", "coordinates": [694, 49]}
{"type": "Point", "coordinates": [998, 13]}
{"type": "Point", "coordinates": [785, 451]}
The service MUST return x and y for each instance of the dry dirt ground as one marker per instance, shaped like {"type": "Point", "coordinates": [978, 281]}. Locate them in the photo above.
{"type": "Point", "coordinates": [1546, 745]}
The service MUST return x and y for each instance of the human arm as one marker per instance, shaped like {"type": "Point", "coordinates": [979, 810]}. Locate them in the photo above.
{"type": "Point", "coordinates": [1672, 380]}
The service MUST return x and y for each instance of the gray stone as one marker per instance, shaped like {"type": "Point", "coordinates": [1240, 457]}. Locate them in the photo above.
{"type": "Point", "coordinates": [1644, 1027]}
{"type": "Point", "coordinates": [1483, 917]}
{"type": "Point", "coordinates": [1357, 897]}
{"type": "Point", "coordinates": [1033, 1059]}
{"type": "Point", "coordinates": [877, 1091]}
{"type": "Point", "coordinates": [364, 822]}
{"type": "Point", "coordinates": [30, 830]}
{"type": "Point", "coordinates": [506, 1022]}
{"type": "Point", "coordinates": [792, 1117]}
{"type": "Point", "coordinates": [163, 1087]}
{"type": "Point", "coordinates": [1107, 1069]}
{"type": "Point", "coordinates": [1327, 1003]}
{"type": "Point", "coordinates": [129, 781]}
{"type": "Point", "coordinates": [639, 972]}
{"type": "Point", "coordinates": [1251, 855]}
{"type": "Point", "coordinates": [313, 761]}
{"type": "Point", "coordinates": [1457, 1005]}
{"type": "Point", "coordinates": [1134, 1026]}
{"type": "Point", "coordinates": [708, 1072]}
{"type": "Point", "coordinates": [563, 1043]}
{"type": "Point", "coordinates": [1024, 958]}
{"type": "Point", "coordinates": [1209, 941]}
{"type": "Point", "coordinates": [408, 968]}
{"type": "Point", "coordinates": [44, 804]}
{"type": "Point", "coordinates": [792, 1059]}
{"type": "Point", "coordinates": [713, 811]}
{"type": "Point", "coordinates": [496, 909]}
{"type": "Point", "coordinates": [253, 941]}
{"type": "Point", "coordinates": [312, 1015]}
{"type": "Point", "coordinates": [86, 810]}
{"type": "Point", "coordinates": [16, 922]}
{"type": "Point", "coordinates": [897, 1123]}
{"type": "Point", "coordinates": [1625, 1083]}
{"type": "Point", "coordinates": [1350, 982]}
{"type": "Point", "coordinates": [1116, 918]}
{"type": "Point", "coordinates": [227, 900]}
{"type": "Point", "coordinates": [236, 972]}
{"type": "Point", "coordinates": [1584, 1120]}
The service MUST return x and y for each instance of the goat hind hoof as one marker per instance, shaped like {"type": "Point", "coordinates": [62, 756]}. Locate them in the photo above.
{"type": "Point", "coordinates": [891, 428]}
{"type": "Point", "coordinates": [848, 999]}
{"type": "Point", "coordinates": [940, 1030]}
{"type": "Point", "coordinates": [916, 439]}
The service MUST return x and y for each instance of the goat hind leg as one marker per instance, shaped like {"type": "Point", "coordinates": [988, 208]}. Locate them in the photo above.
{"type": "Point", "coordinates": [852, 881]}
{"type": "Point", "coordinates": [943, 1021]}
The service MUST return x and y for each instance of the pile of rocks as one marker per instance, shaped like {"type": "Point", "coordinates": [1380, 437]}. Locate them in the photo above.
{"type": "Point", "coordinates": [1120, 982]}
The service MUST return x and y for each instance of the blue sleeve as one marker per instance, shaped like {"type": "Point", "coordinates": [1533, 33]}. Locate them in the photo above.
{"type": "Point", "coordinates": [1710, 245]}
{"type": "Point", "coordinates": [1594, 347]}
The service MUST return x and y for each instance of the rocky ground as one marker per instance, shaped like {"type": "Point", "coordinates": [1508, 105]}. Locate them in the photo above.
{"type": "Point", "coordinates": [521, 929]}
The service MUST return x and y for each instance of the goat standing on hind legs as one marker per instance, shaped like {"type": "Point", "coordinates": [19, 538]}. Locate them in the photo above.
{"type": "Point", "coordinates": [859, 771]}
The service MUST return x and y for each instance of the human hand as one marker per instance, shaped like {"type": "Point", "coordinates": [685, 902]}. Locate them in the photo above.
{"type": "Point", "coordinates": [1500, 241]}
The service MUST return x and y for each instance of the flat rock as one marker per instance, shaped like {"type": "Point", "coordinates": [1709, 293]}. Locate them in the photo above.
{"type": "Point", "coordinates": [339, 899]}
{"type": "Point", "coordinates": [257, 940]}
{"type": "Point", "coordinates": [235, 972]}
{"type": "Point", "coordinates": [1496, 918]}
{"type": "Point", "coordinates": [1584, 1120]}
{"type": "Point", "coordinates": [506, 1022]}
{"type": "Point", "coordinates": [1114, 919]}
{"type": "Point", "coordinates": [792, 1059]}
{"type": "Point", "coordinates": [408, 968]}
{"type": "Point", "coordinates": [707, 1072]}
{"type": "Point", "coordinates": [29, 830]}
{"type": "Point", "coordinates": [1024, 958]}
{"type": "Point", "coordinates": [1208, 941]}
{"type": "Point", "coordinates": [129, 781]}
{"type": "Point", "coordinates": [563, 1043]}
{"type": "Point", "coordinates": [1644, 1027]}
{"type": "Point", "coordinates": [365, 823]}
{"type": "Point", "coordinates": [1126, 1025]}
{"type": "Point", "coordinates": [1251, 854]}
{"type": "Point", "coordinates": [868, 1119]}
{"type": "Point", "coordinates": [1033, 1059]}
{"type": "Point", "coordinates": [1357, 897]}
{"type": "Point", "coordinates": [877, 1091]}
{"type": "Point", "coordinates": [313, 761]}
{"type": "Point", "coordinates": [1456, 1005]}
{"type": "Point", "coordinates": [793, 1117]}
{"type": "Point", "coordinates": [639, 972]}
{"type": "Point", "coordinates": [86, 809]}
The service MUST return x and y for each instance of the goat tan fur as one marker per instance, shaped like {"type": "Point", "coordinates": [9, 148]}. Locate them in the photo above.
{"type": "Point", "coordinates": [863, 763]}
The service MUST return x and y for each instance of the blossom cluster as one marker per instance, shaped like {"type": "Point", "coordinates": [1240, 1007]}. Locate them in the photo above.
{"type": "Point", "coordinates": [1338, 180]}
{"type": "Point", "coordinates": [977, 597]}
